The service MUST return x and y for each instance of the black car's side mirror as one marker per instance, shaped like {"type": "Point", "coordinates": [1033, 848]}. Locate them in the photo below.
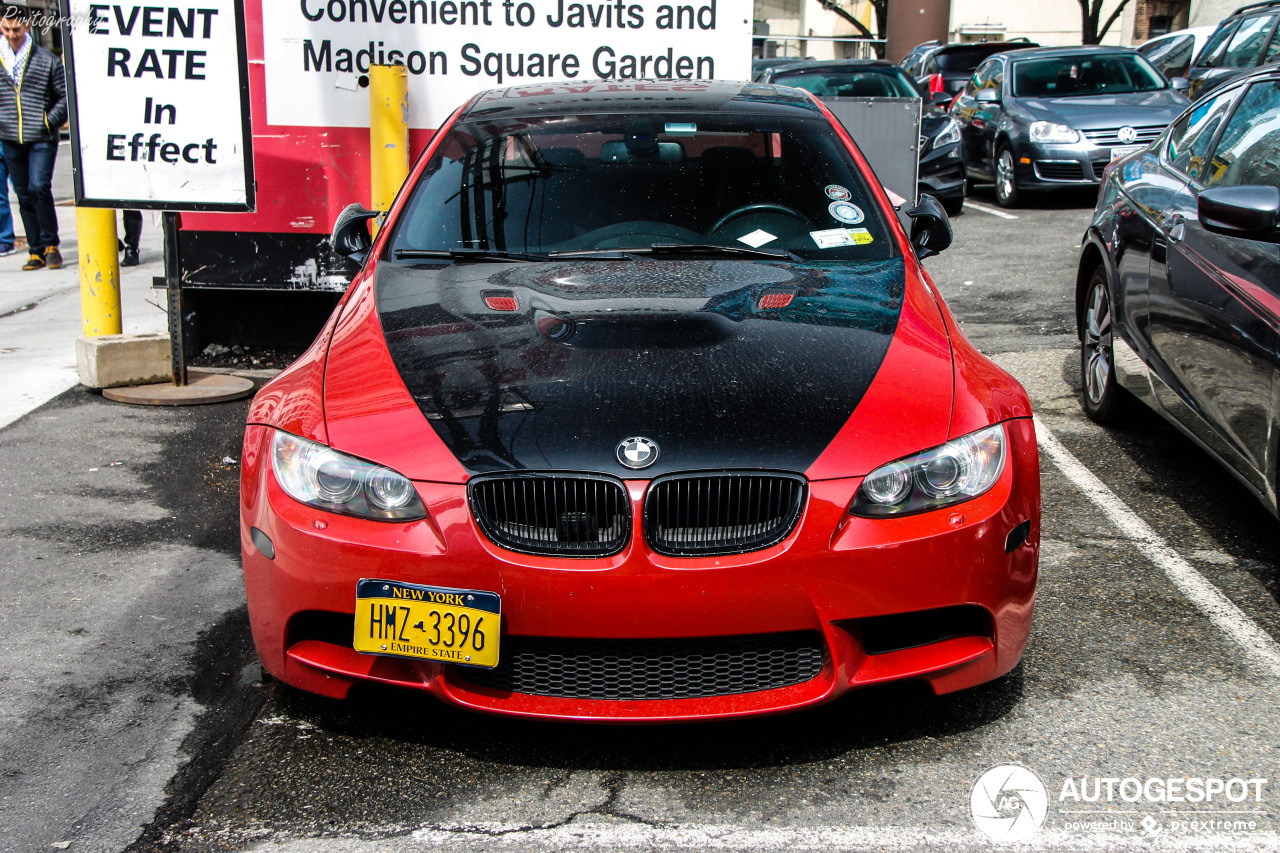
{"type": "Point", "coordinates": [930, 227]}
{"type": "Point", "coordinates": [1252, 212]}
{"type": "Point", "coordinates": [1180, 84]}
{"type": "Point", "coordinates": [941, 99]}
{"type": "Point", "coordinates": [987, 96]}
{"type": "Point", "coordinates": [350, 236]}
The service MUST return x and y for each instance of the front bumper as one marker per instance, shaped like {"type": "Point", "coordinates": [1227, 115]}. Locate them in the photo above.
{"type": "Point", "coordinates": [942, 172]}
{"type": "Point", "coordinates": [829, 577]}
{"type": "Point", "coordinates": [1047, 167]}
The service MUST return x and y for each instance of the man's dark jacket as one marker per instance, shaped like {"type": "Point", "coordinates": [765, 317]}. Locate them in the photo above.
{"type": "Point", "coordinates": [34, 109]}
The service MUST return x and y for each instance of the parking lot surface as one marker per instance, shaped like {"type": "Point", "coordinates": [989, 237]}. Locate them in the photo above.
{"type": "Point", "coordinates": [135, 718]}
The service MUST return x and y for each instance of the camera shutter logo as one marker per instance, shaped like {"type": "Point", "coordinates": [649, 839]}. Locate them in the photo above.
{"type": "Point", "coordinates": [1009, 803]}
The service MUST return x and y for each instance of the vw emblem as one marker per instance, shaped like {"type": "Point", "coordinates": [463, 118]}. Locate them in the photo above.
{"type": "Point", "coordinates": [637, 452]}
{"type": "Point", "coordinates": [1127, 135]}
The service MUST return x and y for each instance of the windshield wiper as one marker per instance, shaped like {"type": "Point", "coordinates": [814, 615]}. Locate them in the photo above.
{"type": "Point", "coordinates": [465, 254]}
{"type": "Point", "coordinates": [716, 249]}
{"type": "Point", "coordinates": [599, 254]}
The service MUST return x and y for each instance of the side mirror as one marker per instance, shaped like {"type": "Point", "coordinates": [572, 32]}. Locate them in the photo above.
{"type": "Point", "coordinates": [1252, 212]}
{"type": "Point", "coordinates": [350, 236]}
{"type": "Point", "coordinates": [987, 96]}
{"type": "Point", "coordinates": [941, 99]}
{"type": "Point", "coordinates": [930, 227]}
{"type": "Point", "coordinates": [1180, 84]}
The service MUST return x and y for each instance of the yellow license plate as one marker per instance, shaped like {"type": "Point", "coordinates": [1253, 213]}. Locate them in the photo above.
{"type": "Point", "coordinates": [427, 622]}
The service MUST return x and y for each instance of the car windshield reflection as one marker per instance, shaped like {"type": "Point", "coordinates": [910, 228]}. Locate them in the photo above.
{"type": "Point", "coordinates": [732, 185]}
{"type": "Point", "coordinates": [1075, 76]}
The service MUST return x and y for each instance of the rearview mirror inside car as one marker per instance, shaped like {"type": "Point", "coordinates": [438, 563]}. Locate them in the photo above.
{"type": "Point", "coordinates": [930, 227]}
{"type": "Point", "coordinates": [350, 236]}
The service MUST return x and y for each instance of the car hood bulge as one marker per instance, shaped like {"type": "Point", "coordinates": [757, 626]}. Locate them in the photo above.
{"type": "Point", "coordinates": [678, 352]}
{"type": "Point", "coordinates": [1102, 111]}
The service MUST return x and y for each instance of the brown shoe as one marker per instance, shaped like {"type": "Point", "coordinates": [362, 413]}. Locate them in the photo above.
{"type": "Point", "coordinates": [52, 257]}
{"type": "Point", "coordinates": [34, 262]}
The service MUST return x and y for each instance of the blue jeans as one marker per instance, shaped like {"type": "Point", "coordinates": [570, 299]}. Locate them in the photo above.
{"type": "Point", "coordinates": [31, 168]}
{"type": "Point", "coordinates": [6, 217]}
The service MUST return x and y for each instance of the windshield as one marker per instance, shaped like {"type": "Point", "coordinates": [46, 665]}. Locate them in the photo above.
{"type": "Point", "coordinates": [609, 183]}
{"type": "Point", "coordinates": [851, 83]}
{"type": "Point", "coordinates": [1096, 74]}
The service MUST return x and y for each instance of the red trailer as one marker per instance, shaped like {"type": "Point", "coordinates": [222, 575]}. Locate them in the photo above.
{"type": "Point", "coordinates": [270, 276]}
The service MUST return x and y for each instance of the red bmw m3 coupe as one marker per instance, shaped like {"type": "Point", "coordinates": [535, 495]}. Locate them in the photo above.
{"type": "Point", "coordinates": [641, 408]}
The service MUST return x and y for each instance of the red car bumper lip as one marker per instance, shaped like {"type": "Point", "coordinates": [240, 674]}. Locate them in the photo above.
{"type": "Point", "coordinates": [832, 572]}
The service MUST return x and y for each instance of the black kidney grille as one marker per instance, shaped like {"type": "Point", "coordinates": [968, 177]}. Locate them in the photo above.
{"type": "Point", "coordinates": [694, 515]}
{"type": "Point", "coordinates": [575, 516]}
{"type": "Point", "coordinates": [651, 669]}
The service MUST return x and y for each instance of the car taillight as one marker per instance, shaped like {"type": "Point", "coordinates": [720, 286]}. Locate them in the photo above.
{"type": "Point", "coordinates": [935, 83]}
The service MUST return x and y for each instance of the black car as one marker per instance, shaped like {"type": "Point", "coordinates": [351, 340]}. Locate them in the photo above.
{"type": "Point", "coordinates": [915, 57]}
{"type": "Point", "coordinates": [947, 68]}
{"type": "Point", "coordinates": [941, 171]}
{"type": "Point", "coordinates": [1053, 118]}
{"type": "Point", "coordinates": [1242, 42]}
{"type": "Point", "coordinates": [759, 66]}
{"type": "Point", "coordinates": [1178, 290]}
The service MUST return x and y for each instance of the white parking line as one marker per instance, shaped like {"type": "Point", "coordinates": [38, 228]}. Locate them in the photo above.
{"type": "Point", "coordinates": [587, 836]}
{"type": "Point", "coordinates": [1220, 610]}
{"type": "Point", "coordinates": [991, 210]}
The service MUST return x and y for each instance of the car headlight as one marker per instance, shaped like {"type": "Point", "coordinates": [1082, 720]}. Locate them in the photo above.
{"type": "Point", "coordinates": [1047, 131]}
{"type": "Point", "coordinates": [949, 135]}
{"type": "Point", "coordinates": [957, 471]}
{"type": "Point", "coordinates": [321, 477]}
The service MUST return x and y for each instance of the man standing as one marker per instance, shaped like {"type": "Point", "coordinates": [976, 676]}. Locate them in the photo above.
{"type": "Point", "coordinates": [33, 105]}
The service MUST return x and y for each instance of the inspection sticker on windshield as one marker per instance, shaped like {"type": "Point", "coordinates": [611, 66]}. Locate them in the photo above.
{"type": "Point", "coordinates": [837, 237]}
{"type": "Point", "coordinates": [843, 211]}
{"type": "Point", "coordinates": [835, 192]}
{"type": "Point", "coordinates": [757, 238]}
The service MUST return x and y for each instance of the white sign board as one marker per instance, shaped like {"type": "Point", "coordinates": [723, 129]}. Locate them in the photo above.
{"type": "Point", "coordinates": [159, 104]}
{"type": "Point", "coordinates": [316, 51]}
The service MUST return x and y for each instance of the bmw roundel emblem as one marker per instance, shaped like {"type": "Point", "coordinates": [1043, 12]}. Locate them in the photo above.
{"type": "Point", "coordinates": [637, 452]}
{"type": "Point", "coordinates": [1127, 134]}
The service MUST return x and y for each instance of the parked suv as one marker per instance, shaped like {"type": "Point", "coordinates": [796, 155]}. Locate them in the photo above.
{"type": "Point", "coordinates": [1172, 52]}
{"type": "Point", "coordinates": [948, 67]}
{"type": "Point", "coordinates": [1245, 40]}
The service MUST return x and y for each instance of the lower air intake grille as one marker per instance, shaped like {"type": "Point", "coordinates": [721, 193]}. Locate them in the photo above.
{"type": "Point", "coordinates": [691, 515]}
{"type": "Point", "coordinates": [579, 516]}
{"type": "Point", "coordinates": [651, 669]}
{"type": "Point", "coordinates": [1059, 170]}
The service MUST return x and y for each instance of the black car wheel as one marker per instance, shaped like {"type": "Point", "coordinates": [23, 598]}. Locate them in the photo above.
{"type": "Point", "coordinates": [1104, 400]}
{"type": "Point", "coordinates": [1006, 178]}
{"type": "Point", "coordinates": [952, 205]}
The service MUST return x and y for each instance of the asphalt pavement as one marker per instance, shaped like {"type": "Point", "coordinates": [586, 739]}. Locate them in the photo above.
{"type": "Point", "coordinates": [134, 717]}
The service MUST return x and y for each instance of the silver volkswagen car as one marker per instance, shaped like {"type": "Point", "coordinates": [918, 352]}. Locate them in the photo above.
{"type": "Point", "coordinates": [1053, 118]}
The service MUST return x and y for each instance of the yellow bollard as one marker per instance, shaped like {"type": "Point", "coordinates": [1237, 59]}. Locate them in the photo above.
{"type": "Point", "coordinates": [99, 271]}
{"type": "Point", "coordinates": [388, 132]}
